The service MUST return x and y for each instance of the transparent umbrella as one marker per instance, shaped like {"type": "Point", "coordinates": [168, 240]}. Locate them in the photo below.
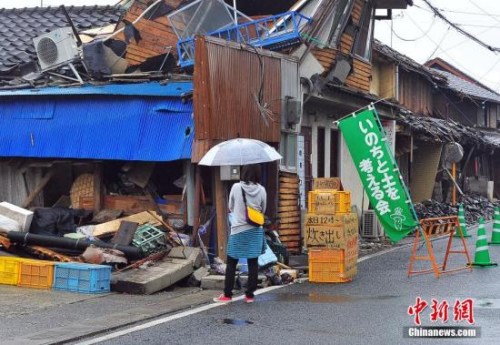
{"type": "Point", "coordinates": [240, 151]}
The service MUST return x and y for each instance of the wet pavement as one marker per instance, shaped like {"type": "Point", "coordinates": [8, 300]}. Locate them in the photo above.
{"type": "Point", "coordinates": [372, 309]}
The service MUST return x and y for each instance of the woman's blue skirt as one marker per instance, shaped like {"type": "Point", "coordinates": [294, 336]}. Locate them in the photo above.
{"type": "Point", "coordinates": [248, 244]}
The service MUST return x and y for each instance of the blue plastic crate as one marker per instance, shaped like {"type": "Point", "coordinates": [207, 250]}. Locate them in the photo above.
{"type": "Point", "coordinates": [83, 278]}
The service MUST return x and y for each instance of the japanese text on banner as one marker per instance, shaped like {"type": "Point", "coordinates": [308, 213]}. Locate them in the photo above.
{"type": "Point", "coordinates": [378, 173]}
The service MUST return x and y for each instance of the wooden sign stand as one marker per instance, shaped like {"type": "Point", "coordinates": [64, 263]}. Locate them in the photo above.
{"type": "Point", "coordinates": [438, 227]}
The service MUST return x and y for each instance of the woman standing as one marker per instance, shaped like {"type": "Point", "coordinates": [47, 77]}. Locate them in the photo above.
{"type": "Point", "coordinates": [246, 240]}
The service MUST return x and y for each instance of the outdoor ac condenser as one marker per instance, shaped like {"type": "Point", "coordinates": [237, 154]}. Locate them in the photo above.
{"type": "Point", "coordinates": [371, 225]}
{"type": "Point", "coordinates": [56, 48]}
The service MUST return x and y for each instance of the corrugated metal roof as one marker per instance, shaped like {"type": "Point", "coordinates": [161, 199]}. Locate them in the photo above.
{"type": "Point", "coordinates": [171, 89]}
{"type": "Point", "coordinates": [122, 128]}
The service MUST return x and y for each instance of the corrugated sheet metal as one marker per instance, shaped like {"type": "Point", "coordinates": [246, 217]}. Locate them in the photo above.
{"type": "Point", "coordinates": [124, 128]}
{"type": "Point", "coordinates": [227, 79]}
{"type": "Point", "coordinates": [172, 89]}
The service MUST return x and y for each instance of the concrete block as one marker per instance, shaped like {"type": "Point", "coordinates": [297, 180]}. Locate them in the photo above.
{"type": "Point", "coordinates": [213, 282]}
{"type": "Point", "coordinates": [197, 276]}
{"type": "Point", "coordinates": [20, 215]}
{"type": "Point", "coordinates": [189, 253]}
{"type": "Point", "coordinates": [151, 279]}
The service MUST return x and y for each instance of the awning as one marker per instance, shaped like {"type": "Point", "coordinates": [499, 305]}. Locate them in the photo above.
{"type": "Point", "coordinates": [115, 127]}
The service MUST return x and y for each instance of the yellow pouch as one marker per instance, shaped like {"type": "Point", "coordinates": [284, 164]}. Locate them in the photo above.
{"type": "Point", "coordinates": [254, 217]}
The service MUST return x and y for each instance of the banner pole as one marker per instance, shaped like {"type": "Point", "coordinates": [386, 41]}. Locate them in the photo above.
{"type": "Point", "coordinates": [353, 114]}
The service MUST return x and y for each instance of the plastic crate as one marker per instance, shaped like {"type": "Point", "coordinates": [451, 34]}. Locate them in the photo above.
{"type": "Point", "coordinates": [84, 278]}
{"type": "Point", "coordinates": [149, 239]}
{"type": "Point", "coordinates": [329, 202]}
{"type": "Point", "coordinates": [36, 274]}
{"type": "Point", "coordinates": [9, 270]}
{"type": "Point", "coordinates": [327, 265]}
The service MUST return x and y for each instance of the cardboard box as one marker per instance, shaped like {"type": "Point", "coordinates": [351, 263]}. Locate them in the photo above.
{"type": "Point", "coordinates": [338, 231]}
{"type": "Point", "coordinates": [334, 231]}
{"type": "Point", "coordinates": [332, 183]}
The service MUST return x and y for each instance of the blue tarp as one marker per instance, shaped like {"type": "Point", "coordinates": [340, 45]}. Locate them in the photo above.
{"type": "Point", "coordinates": [134, 127]}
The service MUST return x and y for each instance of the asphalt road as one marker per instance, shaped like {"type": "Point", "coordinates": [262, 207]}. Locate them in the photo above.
{"type": "Point", "coordinates": [373, 309]}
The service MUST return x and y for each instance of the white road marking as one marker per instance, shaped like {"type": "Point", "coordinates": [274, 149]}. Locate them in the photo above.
{"type": "Point", "coordinates": [206, 307]}
{"type": "Point", "coordinates": [171, 318]}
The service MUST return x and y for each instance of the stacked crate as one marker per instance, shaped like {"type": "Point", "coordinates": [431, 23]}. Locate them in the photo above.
{"type": "Point", "coordinates": [39, 274]}
{"type": "Point", "coordinates": [331, 234]}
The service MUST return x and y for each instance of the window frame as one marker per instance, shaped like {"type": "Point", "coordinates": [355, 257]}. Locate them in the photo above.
{"type": "Point", "coordinates": [368, 12]}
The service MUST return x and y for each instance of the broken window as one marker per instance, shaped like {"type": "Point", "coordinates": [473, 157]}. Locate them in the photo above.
{"type": "Point", "coordinates": [329, 21]}
{"type": "Point", "coordinates": [340, 17]}
{"type": "Point", "coordinates": [362, 46]}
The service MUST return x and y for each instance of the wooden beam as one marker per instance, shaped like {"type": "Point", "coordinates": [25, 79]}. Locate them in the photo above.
{"type": "Point", "coordinates": [38, 189]}
{"type": "Point", "coordinates": [221, 213]}
{"type": "Point", "coordinates": [98, 190]}
{"type": "Point", "coordinates": [196, 207]}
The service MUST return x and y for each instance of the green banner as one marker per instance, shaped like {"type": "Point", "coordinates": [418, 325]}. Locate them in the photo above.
{"type": "Point", "coordinates": [379, 173]}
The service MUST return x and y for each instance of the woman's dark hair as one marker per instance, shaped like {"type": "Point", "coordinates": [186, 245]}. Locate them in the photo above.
{"type": "Point", "coordinates": [251, 173]}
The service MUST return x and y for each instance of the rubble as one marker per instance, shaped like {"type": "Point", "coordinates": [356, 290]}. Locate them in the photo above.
{"type": "Point", "coordinates": [476, 206]}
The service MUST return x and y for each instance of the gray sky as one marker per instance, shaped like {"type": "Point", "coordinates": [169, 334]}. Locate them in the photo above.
{"type": "Point", "coordinates": [428, 36]}
{"type": "Point", "coordinates": [422, 36]}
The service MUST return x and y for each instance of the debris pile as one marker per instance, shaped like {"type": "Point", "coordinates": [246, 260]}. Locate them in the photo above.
{"type": "Point", "coordinates": [475, 205]}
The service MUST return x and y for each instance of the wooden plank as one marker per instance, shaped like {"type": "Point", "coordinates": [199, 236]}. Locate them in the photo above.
{"type": "Point", "coordinates": [289, 220]}
{"type": "Point", "coordinates": [283, 215]}
{"type": "Point", "coordinates": [294, 208]}
{"type": "Point", "coordinates": [290, 238]}
{"type": "Point", "coordinates": [288, 202]}
{"type": "Point", "coordinates": [288, 185]}
{"type": "Point", "coordinates": [125, 233]}
{"type": "Point", "coordinates": [41, 185]}
{"type": "Point", "coordinates": [98, 188]}
{"type": "Point", "coordinates": [140, 173]}
{"type": "Point", "coordinates": [289, 226]}
{"type": "Point", "coordinates": [113, 226]}
{"type": "Point", "coordinates": [289, 191]}
{"type": "Point", "coordinates": [221, 214]}
{"type": "Point", "coordinates": [289, 232]}
{"type": "Point", "coordinates": [288, 180]}
{"type": "Point", "coordinates": [288, 197]}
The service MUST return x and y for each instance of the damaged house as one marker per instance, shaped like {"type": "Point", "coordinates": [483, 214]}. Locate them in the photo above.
{"type": "Point", "coordinates": [80, 126]}
{"type": "Point", "coordinates": [184, 76]}
{"type": "Point", "coordinates": [443, 117]}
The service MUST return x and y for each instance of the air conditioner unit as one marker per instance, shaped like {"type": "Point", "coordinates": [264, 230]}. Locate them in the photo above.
{"type": "Point", "coordinates": [371, 226]}
{"type": "Point", "coordinates": [56, 48]}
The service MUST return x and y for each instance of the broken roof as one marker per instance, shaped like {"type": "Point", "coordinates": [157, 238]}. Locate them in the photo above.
{"type": "Point", "coordinates": [406, 62]}
{"type": "Point", "coordinates": [18, 27]}
{"type": "Point", "coordinates": [446, 130]}
{"type": "Point", "coordinates": [465, 87]}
